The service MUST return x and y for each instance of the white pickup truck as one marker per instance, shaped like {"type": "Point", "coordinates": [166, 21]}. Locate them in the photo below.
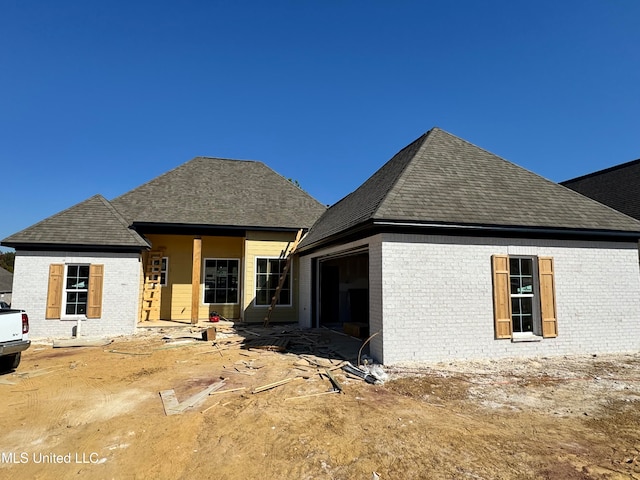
{"type": "Point", "coordinates": [14, 337]}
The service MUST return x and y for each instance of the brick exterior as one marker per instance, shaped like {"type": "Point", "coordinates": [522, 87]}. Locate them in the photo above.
{"type": "Point", "coordinates": [120, 295]}
{"type": "Point", "coordinates": [431, 297]}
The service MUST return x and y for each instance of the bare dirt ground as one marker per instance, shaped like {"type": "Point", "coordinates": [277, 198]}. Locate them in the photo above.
{"type": "Point", "coordinates": [96, 412]}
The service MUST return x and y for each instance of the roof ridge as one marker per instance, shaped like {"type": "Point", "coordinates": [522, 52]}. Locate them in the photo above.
{"type": "Point", "coordinates": [423, 140]}
{"type": "Point", "coordinates": [120, 218]}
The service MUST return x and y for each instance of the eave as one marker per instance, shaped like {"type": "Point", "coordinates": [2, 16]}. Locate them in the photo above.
{"type": "Point", "coordinates": [373, 227]}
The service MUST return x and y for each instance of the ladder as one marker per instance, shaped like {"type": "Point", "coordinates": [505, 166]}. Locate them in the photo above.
{"type": "Point", "coordinates": [283, 276]}
{"type": "Point", "coordinates": [151, 288]}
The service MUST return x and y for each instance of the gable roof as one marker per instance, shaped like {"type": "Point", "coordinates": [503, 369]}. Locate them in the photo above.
{"type": "Point", "coordinates": [6, 280]}
{"type": "Point", "coordinates": [219, 192]}
{"type": "Point", "coordinates": [617, 187]}
{"type": "Point", "coordinates": [442, 181]}
{"type": "Point", "coordinates": [91, 223]}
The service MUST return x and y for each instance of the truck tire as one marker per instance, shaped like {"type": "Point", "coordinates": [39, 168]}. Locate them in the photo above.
{"type": "Point", "coordinates": [10, 362]}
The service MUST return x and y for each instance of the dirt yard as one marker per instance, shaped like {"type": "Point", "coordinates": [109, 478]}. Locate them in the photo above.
{"type": "Point", "coordinates": [96, 412]}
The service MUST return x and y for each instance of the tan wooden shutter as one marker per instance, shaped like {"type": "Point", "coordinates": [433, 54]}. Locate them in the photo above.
{"type": "Point", "coordinates": [548, 297]}
{"type": "Point", "coordinates": [94, 301]}
{"type": "Point", "coordinates": [54, 291]}
{"type": "Point", "coordinates": [501, 296]}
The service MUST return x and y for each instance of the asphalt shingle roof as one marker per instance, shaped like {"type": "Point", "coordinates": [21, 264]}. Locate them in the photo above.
{"type": "Point", "coordinates": [442, 179]}
{"type": "Point", "coordinates": [220, 192]}
{"type": "Point", "coordinates": [6, 280]}
{"type": "Point", "coordinates": [617, 187]}
{"type": "Point", "coordinates": [93, 222]}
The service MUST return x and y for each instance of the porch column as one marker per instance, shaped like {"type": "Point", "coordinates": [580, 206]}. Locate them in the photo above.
{"type": "Point", "coordinates": [196, 274]}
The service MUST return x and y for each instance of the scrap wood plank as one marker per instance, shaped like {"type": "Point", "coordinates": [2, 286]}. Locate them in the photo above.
{"type": "Point", "coordinates": [335, 382]}
{"type": "Point", "coordinates": [269, 386]}
{"type": "Point", "coordinates": [271, 344]}
{"type": "Point", "coordinates": [313, 394]}
{"type": "Point", "coordinates": [173, 407]}
{"type": "Point", "coordinates": [81, 342]}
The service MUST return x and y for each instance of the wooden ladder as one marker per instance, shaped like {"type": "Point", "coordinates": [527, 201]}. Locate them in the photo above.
{"type": "Point", "coordinates": [283, 276]}
{"type": "Point", "coordinates": [151, 288]}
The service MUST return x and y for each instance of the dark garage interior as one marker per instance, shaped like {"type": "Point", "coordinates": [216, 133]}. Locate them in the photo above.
{"type": "Point", "coordinates": [344, 293]}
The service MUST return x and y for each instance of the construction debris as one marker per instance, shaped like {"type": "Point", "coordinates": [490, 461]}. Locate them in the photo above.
{"type": "Point", "coordinates": [81, 342]}
{"type": "Point", "coordinates": [367, 377]}
{"type": "Point", "coordinates": [173, 407]}
{"type": "Point", "coordinates": [269, 386]}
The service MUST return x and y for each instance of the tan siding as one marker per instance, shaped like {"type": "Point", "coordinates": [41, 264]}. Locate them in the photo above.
{"type": "Point", "coordinates": [268, 244]}
{"type": "Point", "coordinates": [176, 296]}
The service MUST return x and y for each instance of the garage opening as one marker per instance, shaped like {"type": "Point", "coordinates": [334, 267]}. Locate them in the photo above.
{"type": "Point", "coordinates": [343, 302]}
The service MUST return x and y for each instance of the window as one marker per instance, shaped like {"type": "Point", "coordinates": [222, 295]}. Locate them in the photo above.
{"type": "Point", "coordinates": [524, 297]}
{"type": "Point", "coordinates": [75, 290]}
{"type": "Point", "coordinates": [221, 280]}
{"type": "Point", "coordinates": [164, 270]}
{"type": "Point", "coordinates": [268, 273]}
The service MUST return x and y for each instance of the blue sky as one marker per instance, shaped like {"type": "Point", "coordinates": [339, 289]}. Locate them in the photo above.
{"type": "Point", "coordinates": [100, 97]}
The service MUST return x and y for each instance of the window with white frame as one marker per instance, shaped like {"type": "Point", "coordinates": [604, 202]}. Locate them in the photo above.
{"type": "Point", "coordinates": [76, 289]}
{"type": "Point", "coordinates": [268, 273]}
{"type": "Point", "coordinates": [524, 297]}
{"type": "Point", "coordinates": [221, 280]}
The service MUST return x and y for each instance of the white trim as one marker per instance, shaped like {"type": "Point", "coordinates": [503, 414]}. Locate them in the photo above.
{"type": "Point", "coordinates": [166, 271]}
{"type": "Point", "coordinates": [255, 281]}
{"type": "Point", "coordinates": [203, 280]}
{"type": "Point", "coordinates": [75, 316]}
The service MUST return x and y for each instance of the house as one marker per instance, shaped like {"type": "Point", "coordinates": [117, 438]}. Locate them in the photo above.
{"type": "Point", "coordinates": [617, 186]}
{"type": "Point", "coordinates": [207, 236]}
{"type": "Point", "coordinates": [6, 285]}
{"type": "Point", "coordinates": [451, 252]}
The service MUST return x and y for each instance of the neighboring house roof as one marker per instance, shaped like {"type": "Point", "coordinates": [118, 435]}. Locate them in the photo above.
{"type": "Point", "coordinates": [441, 181]}
{"type": "Point", "coordinates": [617, 187]}
{"type": "Point", "coordinates": [92, 223]}
{"type": "Point", "coordinates": [6, 281]}
{"type": "Point", "coordinates": [218, 192]}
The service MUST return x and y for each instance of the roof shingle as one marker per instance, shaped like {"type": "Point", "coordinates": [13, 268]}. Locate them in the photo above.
{"type": "Point", "coordinates": [92, 223]}
{"type": "Point", "coordinates": [442, 179]}
{"type": "Point", "coordinates": [617, 187]}
{"type": "Point", "coordinates": [220, 192]}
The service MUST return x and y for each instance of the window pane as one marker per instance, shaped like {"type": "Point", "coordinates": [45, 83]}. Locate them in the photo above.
{"type": "Point", "coordinates": [515, 306]}
{"type": "Point", "coordinates": [273, 281]}
{"type": "Point", "coordinates": [221, 296]}
{"type": "Point", "coordinates": [261, 265]}
{"type": "Point", "coordinates": [284, 297]}
{"type": "Point", "coordinates": [526, 285]}
{"type": "Point", "coordinates": [232, 296]}
{"type": "Point", "coordinates": [209, 295]}
{"type": "Point", "coordinates": [261, 297]}
{"type": "Point", "coordinates": [526, 266]}
{"type": "Point", "coordinates": [514, 266]}
{"type": "Point", "coordinates": [527, 323]}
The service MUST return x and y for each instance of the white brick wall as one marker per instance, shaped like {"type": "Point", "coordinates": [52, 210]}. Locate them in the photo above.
{"type": "Point", "coordinates": [120, 294]}
{"type": "Point", "coordinates": [431, 297]}
{"type": "Point", "coordinates": [438, 302]}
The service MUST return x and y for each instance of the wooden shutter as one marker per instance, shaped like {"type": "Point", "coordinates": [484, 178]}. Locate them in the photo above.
{"type": "Point", "coordinates": [54, 291]}
{"type": "Point", "coordinates": [547, 297]}
{"type": "Point", "coordinates": [94, 300]}
{"type": "Point", "coordinates": [501, 296]}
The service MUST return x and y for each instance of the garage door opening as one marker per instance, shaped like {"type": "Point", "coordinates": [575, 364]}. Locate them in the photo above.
{"type": "Point", "coordinates": [344, 293]}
